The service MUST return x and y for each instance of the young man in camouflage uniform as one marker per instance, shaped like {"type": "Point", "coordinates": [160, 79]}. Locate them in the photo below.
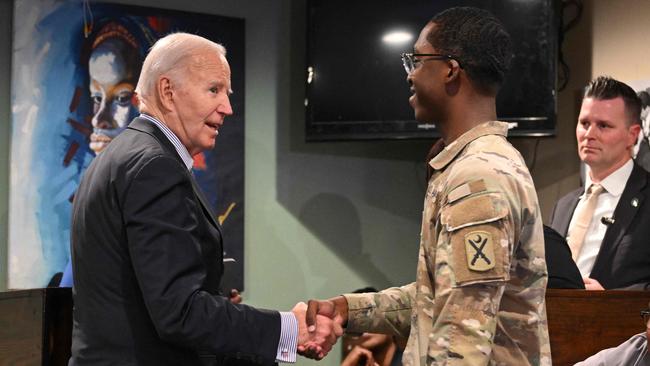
{"type": "Point", "coordinates": [478, 298]}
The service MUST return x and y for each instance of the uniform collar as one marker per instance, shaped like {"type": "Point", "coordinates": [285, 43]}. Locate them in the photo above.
{"type": "Point", "coordinates": [448, 154]}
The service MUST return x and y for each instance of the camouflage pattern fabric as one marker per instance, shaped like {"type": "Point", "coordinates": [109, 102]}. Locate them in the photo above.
{"type": "Point", "coordinates": [478, 298]}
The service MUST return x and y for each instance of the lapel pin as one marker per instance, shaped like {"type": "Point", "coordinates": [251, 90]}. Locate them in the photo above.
{"type": "Point", "coordinates": [635, 202]}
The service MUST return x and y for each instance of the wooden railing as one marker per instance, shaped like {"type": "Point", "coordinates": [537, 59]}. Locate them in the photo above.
{"type": "Point", "coordinates": [581, 323]}
{"type": "Point", "coordinates": [36, 325]}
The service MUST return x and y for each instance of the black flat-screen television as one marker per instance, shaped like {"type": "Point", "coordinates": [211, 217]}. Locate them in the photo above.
{"type": "Point", "coordinates": [356, 84]}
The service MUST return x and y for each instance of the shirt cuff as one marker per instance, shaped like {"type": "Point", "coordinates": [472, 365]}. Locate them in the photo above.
{"type": "Point", "coordinates": [288, 345]}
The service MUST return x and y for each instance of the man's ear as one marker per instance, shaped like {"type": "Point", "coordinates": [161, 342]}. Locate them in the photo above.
{"type": "Point", "coordinates": [634, 131]}
{"type": "Point", "coordinates": [454, 70]}
{"type": "Point", "coordinates": [165, 92]}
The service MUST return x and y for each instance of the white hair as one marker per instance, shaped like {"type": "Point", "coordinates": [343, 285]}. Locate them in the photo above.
{"type": "Point", "coordinates": [170, 56]}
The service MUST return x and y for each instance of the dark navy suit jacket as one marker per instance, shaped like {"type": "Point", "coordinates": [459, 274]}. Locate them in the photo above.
{"type": "Point", "coordinates": [147, 260]}
{"type": "Point", "coordinates": [624, 257]}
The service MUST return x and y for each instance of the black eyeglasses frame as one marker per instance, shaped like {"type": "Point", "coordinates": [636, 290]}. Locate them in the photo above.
{"type": "Point", "coordinates": [411, 63]}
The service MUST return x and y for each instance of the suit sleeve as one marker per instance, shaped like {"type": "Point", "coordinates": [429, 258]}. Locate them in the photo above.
{"type": "Point", "coordinates": [162, 221]}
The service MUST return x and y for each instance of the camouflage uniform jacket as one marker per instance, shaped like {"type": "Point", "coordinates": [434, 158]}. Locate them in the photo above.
{"type": "Point", "coordinates": [478, 298]}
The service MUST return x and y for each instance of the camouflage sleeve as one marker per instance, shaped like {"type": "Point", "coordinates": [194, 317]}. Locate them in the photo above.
{"type": "Point", "coordinates": [463, 332]}
{"type": "Point", "coordinates": [472, 265]}
{"type": "Point", "coordinates": [388, 311]}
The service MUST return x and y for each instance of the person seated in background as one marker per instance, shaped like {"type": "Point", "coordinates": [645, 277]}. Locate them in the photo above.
{"type": "Point", "coordinates": [607, 222]}
{"type": "Point", "coordinates": [562, 270]}
{"type": "Point", "coordinates": [372, 348]}
{"type": "Point", "coordinates": [633, 352]}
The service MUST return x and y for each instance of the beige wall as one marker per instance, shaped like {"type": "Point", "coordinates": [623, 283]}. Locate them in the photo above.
{"type": "Point", "coordinates": [621, 39]}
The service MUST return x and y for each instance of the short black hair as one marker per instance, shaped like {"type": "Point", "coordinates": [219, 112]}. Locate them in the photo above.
{"type": "Point", "coordinates": [605, 88]}
{"type": "Point", "coordinates": [479, 41]}
{"type": "Point", "coordinates": [644, 96]}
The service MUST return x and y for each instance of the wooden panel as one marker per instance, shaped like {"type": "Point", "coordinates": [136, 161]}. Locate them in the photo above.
{"type": "Point", "coordinates": [36, 327]}
{"type": "Point", "coordinates": [21, 328]}
{"type": "Point", "coordinates": [581, 323]}
{"type": "Point", "coordinates": [57, 326]}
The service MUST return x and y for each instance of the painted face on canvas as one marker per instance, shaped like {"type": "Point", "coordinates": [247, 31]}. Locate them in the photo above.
{"type": "Point", "coordinates": [113, 76]}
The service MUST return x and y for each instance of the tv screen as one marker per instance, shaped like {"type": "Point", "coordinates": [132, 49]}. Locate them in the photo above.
{"type": "Point", "coordinates": [356, 84]}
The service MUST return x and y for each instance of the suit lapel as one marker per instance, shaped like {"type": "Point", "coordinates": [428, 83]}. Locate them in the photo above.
{"type": "Point", "coordinates": [565, 212]}
{"type": "Point", "coordinates": [627, 207]}
{"type": "Point", "coordinates": [204, 202]}
{"type": "Point", "coordinates": [143, 125]}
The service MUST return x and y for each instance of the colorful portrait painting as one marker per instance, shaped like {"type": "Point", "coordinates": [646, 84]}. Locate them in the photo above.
{"type": "Point", "coordinates": [642, 148]}
{"type": "Point", "coordinates": [74, 70]}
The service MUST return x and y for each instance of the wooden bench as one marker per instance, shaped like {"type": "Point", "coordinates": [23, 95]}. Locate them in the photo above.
{"type": "Point", "coordinates": [581, 323]}
{"type": "Point", "coordinates": [36, 325]}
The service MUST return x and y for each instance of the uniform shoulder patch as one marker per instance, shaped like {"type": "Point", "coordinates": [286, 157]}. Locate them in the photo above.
{"type": "Point", "coordinates": [479, 250]}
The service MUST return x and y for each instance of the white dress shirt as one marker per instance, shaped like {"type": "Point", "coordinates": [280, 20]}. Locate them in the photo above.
{"type": "Point", "coordinates": [614, 185]}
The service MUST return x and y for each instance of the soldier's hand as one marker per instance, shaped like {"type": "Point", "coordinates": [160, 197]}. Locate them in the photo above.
{"type": "Point", "coordinates": [335, 309]}
{"type": "Point", "coordinates": [317, 343]}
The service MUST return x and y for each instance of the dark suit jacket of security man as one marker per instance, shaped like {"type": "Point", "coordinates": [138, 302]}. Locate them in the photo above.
{"type": "Point", "coordinates": [624, 257]}
{"type": "Point", "coordinates": [147, 260]}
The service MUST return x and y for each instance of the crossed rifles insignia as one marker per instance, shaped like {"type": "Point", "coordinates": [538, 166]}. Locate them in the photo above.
{"type": "Point", "coordinates": [480, 251]}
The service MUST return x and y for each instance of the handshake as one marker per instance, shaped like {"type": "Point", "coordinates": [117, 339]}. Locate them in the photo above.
{"type": "Point", "coordinates": [320, 324]}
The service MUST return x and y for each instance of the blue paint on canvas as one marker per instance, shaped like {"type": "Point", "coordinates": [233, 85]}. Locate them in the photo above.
{"type": "Point", "coordinates": [53, 124]}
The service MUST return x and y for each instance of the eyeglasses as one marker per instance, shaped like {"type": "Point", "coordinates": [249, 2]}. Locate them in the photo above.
{"type": "Point", "coordinates": [645, 315]}
{"type": "Point", "coordinates": [411, 62]}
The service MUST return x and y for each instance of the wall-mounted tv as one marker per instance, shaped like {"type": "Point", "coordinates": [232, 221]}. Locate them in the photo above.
{"type": "Point", "coordinates": [356, 85]}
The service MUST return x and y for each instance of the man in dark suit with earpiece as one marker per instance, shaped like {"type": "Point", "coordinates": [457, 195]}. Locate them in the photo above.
{"type": "Point", "coordinates": [607, 222]}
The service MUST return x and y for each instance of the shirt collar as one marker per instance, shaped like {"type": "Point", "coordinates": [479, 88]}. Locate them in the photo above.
{"type": "Point", "coordinates": [180, 148]}
{"type": "Point", "coordinates": [614, 183]}
{"type": "Point", "coordinates": [450, 151]}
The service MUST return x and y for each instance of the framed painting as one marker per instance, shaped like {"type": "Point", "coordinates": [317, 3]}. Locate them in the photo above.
{"type": "Point", "coordinates": [74, 69]}
{"type": "Point", "coordinates": [642, 148]}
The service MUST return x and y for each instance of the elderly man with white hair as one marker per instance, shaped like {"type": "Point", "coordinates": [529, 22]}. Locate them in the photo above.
{"type": "Point", "coordinates": [146, 248]}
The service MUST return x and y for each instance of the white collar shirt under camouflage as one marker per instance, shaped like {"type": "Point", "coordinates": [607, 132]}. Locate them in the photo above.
{"type": "Point", "coordinates": [478, 298]}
